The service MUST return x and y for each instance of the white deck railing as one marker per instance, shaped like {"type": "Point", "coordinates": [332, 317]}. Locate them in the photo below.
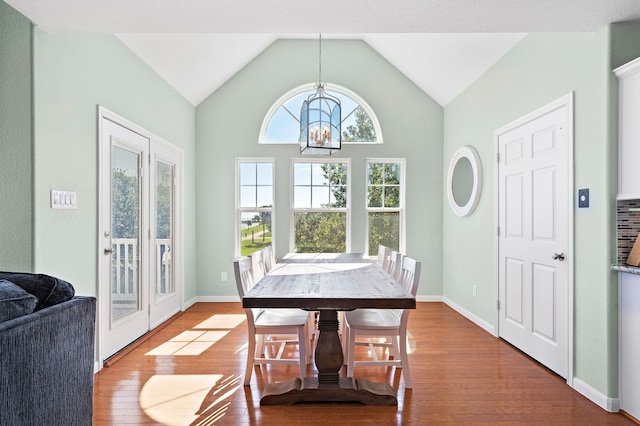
{"type": "Point", "coordinates": [125, 266]}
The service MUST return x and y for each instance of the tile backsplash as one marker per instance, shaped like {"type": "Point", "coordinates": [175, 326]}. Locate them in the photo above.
{"type": "Point", "coordinates": [628, 224]}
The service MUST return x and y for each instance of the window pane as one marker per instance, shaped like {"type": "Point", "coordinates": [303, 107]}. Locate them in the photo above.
{"type": "Point", "coordinates": [284, 124]}
{"type": "Point", "coordinates": [374, 173]}
{"type": "Point", "coordinates": [320, 232]}
{"type": "Point", "coordinates": [302, 174]}
{"type": "Point", "coordinates": [319, 174]}
{"type": "Point", "coordinates": [255, 231]}
{"type": "Point", "coordinates": [320, 197]}
{"type": "Point", "coordinates": [265, 174]}
{"type": "Point", "coordinates": [384, 228]}
{"type": "Point", "coordinates": [392, 196]}
{"type": "Point", "coordinates": [265, 196]}
{"type": "Point", "coordinates": [302, 197]}
{"type": "Point", "coordinates": [247, 173]}
{"type": "Point", "coordinates": [375, 196]}
{"type": "Point", "coordinates": [392, 174]}
{"type": "Point", "coordinates": [247, 196]}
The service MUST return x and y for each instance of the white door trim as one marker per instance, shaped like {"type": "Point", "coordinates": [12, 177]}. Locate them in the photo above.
{"type": "Point", "coordinates": [564, 101]}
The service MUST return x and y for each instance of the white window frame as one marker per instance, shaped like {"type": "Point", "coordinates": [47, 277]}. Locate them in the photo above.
{"type": "Point", "coordinates": [401, 209]}
{"type": "Point", "coordinates": [240, 210]}
{"type": "Point", "coordinates": [330, 88]}
{"type": "Point", "coordinates": [347, 210]}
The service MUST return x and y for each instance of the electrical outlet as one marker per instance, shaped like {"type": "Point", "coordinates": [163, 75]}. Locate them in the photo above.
{"type": "Point", "coordinates": [475, 290]}
{"type": "Point", "coordinates": [223, 276]}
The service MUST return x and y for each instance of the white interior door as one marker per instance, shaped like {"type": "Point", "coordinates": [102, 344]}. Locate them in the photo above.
{"type": "Point", "coordinates": [123, 297]}
{"type": "Point", "coordinates": [535, 243]}
{"type": "Point", "coordinates": [140, 278]}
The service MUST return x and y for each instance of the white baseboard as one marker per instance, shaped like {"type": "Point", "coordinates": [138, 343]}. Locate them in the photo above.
{"type": "Point", "coordinates": [609, 404]}
{"type": "Point", "coordinates": [471, 317]}
{"type": "Point", "coordinates": [428, 298]}
{"type": "Point", "coordinates": [217, 299]}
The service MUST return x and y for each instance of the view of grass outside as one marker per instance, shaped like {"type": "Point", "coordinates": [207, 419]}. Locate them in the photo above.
{"type": "Point", "coordinates": [255, 233]}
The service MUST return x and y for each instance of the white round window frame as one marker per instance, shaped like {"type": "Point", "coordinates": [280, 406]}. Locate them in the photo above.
{"type": "Point", "coordinates": [330, 88]}
{"type": "Point", "coordinates": [476, 167]}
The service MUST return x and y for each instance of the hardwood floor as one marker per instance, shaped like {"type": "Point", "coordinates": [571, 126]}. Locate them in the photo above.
{"type": "Point", "coordinates": [190, 373]}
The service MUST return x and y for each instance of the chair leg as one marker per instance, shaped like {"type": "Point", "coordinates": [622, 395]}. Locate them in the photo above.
{"type": "Point", "coordinates": [351, 351]}
{"type": "Point", "coordinates": [303, 344]}
{"type": "Point", "coordinates": [250, 357]}
{"type": "Point", "coordinates": [405, 360]}
{"type": "Point", "coordinates": [259, 347]}
{"type": "Point", "coordinates": [345, 344]}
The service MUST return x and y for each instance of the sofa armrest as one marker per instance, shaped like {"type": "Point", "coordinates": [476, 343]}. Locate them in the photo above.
{"type": "Point", "coordinates": [46, 365]}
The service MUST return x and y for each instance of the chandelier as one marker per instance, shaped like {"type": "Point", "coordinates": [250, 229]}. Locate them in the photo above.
{"type": "Point", "coordinates": [320, 119]}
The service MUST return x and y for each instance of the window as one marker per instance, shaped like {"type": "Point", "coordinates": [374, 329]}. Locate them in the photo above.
{"type": "Point", "coordinates": [385, 204]}
{"type": "Point", "coordinates": [254, 206]}
{"type": "Point", "coordinates": [320, 215]}
{"type": "Point", "coordinates": [282, 122]}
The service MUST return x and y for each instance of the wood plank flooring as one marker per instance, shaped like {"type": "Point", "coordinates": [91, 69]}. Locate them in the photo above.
{"type": "Point", "coordinates": [190, 373]}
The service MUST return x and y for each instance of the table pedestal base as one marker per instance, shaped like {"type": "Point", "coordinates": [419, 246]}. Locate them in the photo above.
{"type": "Point", "coordinates": [346, 390]}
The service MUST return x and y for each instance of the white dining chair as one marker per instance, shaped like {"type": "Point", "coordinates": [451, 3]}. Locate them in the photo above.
{"type": "Point", "coordinates": [258, 267]}
{"type": "Point", "coordinates": [395, 264]}
{"type": "Point", "coordinates": [383, 323]}
{"type": "Point", "coordinates": [273, 322]}
{"type": "Point", "coordinates": [269, 258]}
{"type": "Point", "coordinates": [383, 257]}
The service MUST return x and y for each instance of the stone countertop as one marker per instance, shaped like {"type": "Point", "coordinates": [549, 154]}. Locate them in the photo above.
{"type": "Point", "coordinates": [623, 267]}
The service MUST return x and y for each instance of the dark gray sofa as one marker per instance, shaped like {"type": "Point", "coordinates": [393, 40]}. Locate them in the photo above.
{"type": "Point", "coordinates": [46, 365]}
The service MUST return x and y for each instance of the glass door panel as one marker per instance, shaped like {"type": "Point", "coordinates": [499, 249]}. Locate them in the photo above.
{"type": "Point", "coordinates": [125, 234]}
{"type": "Point", "coordinates": [164, 196]}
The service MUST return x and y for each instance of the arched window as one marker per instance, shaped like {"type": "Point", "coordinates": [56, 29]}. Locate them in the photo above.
{"type": "Point", "coordinates": [281, 125]}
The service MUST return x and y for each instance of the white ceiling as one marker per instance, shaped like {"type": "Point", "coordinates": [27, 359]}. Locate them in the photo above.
{"type": "Point", "coordinates": [441, 45]}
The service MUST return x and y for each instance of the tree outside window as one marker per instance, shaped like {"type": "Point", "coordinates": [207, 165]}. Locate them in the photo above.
{"type": "Point", "coordinates": [320, 207]}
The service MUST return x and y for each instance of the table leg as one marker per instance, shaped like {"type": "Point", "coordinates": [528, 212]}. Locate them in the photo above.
{"type": "Point", "coordinates": [328, 386]}
{"type": "Point", "coordinates": [329, 358]}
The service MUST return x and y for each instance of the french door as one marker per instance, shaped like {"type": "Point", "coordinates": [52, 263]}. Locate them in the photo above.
{"type": "Point", "coordinates": [139, 267]}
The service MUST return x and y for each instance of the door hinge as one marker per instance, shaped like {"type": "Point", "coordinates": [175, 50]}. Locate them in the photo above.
{"type": "Point", "coordinates": [498, 304]}
{"type": "Point", "coordinates": [497, 157]}
{"type": "Point", "coordinates": [498, 231]}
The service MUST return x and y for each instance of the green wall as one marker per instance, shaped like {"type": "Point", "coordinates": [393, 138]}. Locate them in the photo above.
{"type": "Point", "coordinates": [539, 70]}
{"type": "Point", "coordinates": [16, 186]}
{"type": "Point", "coordinates": [73, 74]}
{"type": "Point", "coordinates": [228, 126]}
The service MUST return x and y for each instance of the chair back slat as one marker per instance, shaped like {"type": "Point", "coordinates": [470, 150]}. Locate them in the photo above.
{"type": "Point", "coordinates": [395, 264]}
{"type": "Point", "coordinates": [383, 257]}
{"type": "Point", "coordinates": [269, 258]}
{"type": "Point", "coordinates": [409, 279]}
{"type": "Point", "coordinates": [244, 277]}
{"type": "Point", "coordinates": [257, 265]}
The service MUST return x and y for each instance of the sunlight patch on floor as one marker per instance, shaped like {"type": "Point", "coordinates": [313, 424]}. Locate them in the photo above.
{"type": "Point", "coordinates": [177, 400]}
{"type": "Point", "coordinates": [189, 343]}
{"type": "Point", "coordinates": [220, 321]}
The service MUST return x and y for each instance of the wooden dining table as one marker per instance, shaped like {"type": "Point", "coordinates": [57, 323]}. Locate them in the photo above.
{"type": "Point", "coordinates": [328, 283]}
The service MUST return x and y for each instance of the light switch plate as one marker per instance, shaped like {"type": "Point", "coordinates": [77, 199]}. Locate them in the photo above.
{"type": "Point", "coordinates": [63, 199]}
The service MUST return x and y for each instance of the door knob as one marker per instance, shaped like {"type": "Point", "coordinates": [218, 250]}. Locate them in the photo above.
{"type": "Point", "coordinates": [558, 256]}
{"type": "Point", "coordinates": [108, 251]}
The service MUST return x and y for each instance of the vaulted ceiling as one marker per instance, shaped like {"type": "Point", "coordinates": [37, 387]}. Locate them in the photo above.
{"type": "Point", "coordinates": [441, 45]}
